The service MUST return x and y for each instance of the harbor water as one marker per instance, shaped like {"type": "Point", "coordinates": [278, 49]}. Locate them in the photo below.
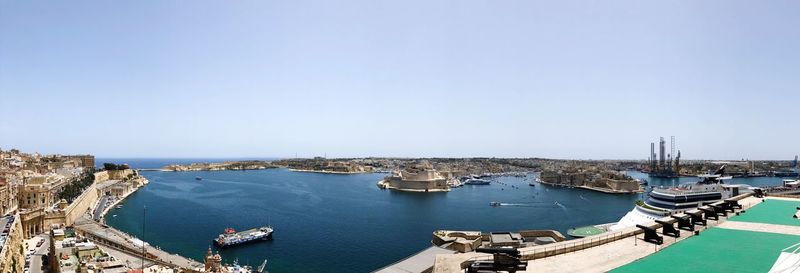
{"type": "Point", "coordinates": [344, 223]}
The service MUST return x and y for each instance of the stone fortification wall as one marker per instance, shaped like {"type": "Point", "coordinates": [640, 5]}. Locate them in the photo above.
{"type": "Point", "coordinates": [101, 176]}
{"type": "Point", "coordinates": [83, 204]}
{"type": "Point", "coordinates": [120, 174]}
{"type": "Point", "coordinates": [11, 257]}
{"type": "Point", "coordinates": [417, 185]}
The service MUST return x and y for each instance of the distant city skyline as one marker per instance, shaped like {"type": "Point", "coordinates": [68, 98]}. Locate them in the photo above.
{"type": "Point", "coordinates": [561, 79]}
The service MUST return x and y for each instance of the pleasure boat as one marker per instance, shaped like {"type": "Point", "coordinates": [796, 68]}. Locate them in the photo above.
{"type": "Point", "coordinates": [477, 181]}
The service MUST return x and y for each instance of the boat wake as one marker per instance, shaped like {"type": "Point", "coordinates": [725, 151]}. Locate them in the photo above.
{"type": "Point", "coordinates": [560, 205]}
{"type": "Point", "coordinates": [521, 204]}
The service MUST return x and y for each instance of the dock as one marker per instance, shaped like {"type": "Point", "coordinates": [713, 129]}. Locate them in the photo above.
{"type": "Point", "coordinates": [112, 238]}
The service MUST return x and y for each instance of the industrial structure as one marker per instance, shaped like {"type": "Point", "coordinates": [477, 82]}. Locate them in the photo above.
{"type": "Point", "coordinates": [664, 164]}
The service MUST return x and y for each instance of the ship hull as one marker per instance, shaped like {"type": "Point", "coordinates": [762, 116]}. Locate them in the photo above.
{"type": "Point", "coordinates": [243, 237]}
{"type": "Point", "coordinates": [243, 242]}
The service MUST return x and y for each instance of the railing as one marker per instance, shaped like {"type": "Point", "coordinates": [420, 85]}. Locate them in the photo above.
{"type": "Point", "coordinates": [565, 247]}
{"type": "Point", "coordinates": [681, 191]}
{"type": "Point", "coordinates": [795, 196]}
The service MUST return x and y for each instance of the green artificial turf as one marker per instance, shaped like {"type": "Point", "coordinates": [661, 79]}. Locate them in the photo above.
{"type": "Point", "coordinates": [771, 211]}
{"type": "Point", "coordinates": [717, 250]}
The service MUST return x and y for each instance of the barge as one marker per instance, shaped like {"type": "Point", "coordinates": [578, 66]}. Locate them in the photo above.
{"type": "Point", "coordinates": [231, 237]}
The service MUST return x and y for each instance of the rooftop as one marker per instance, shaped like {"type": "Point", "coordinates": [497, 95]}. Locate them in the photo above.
{"type": "Point", "coordinates": [750, 242]}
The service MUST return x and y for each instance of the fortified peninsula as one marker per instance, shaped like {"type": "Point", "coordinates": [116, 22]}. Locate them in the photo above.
{"type": "Point", "coordinates": [225, 166]}
{"type": "Point", "coordinates": [330, 166]}
{"type": "Point", "coordinates": [596, 180]}
{"type": "Point", "coordinates": [419, 178]}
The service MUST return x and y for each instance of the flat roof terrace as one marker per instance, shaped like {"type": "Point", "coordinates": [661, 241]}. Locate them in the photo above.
{"type": "Point", "coordinates": [749, 242]}
{"type": "Point", "coordinates": [771, 211]}
{"type": "Point", "coordinates": [717, 250]}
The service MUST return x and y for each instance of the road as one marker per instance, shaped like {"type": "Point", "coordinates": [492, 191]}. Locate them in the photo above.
{"type": "Point", "coordinates": [36, 259]}
{"type": "Point", "coordinates": [104, 235]}
{"type": "Point", "coordinates": [105, 201]}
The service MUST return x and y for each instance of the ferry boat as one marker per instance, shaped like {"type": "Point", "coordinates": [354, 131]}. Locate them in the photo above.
{"type": "Point", "coordinates": [665, 201]}
{"type": "Point", "coordinates": [231, 237]}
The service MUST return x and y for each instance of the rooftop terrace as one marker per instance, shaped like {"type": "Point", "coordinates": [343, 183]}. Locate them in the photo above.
{"type": "Point", "coordinates": [749, 242]}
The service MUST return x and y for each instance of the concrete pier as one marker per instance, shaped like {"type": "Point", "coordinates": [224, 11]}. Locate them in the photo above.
{"type": "Point", "coordinates": [117, 240]}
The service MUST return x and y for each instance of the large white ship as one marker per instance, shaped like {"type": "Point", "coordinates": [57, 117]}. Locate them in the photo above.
{"type": "Point", "coordinates": [665, 201]}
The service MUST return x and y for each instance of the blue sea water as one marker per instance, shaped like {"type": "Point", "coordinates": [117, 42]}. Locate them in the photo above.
{"type": "Point", "coordinates": [342, 223]}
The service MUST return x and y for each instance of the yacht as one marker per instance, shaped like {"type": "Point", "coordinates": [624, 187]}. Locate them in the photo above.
{"type": "Point", "coordinates": [477, 181]}
{"type": "Point", "coordinates": [665, 201]}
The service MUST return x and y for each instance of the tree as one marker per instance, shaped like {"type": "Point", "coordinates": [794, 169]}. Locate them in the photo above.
{"type": "Point", "coordinates": [109, 166]}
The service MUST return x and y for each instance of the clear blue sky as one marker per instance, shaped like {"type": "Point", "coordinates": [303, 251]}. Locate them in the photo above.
{"type": "Point", "coordinates": [562, 79]}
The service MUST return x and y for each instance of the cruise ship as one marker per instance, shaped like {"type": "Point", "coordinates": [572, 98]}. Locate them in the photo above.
{"type": "Point", "coordinates": [665, 201]}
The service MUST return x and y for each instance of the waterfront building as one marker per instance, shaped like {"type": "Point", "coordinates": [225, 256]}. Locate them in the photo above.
{"type": "Point", "coordinates": [599, 180]}
{"type": "Point", "coordinates": [213, 264]}
{"type": "Point", "coordinates": [74, 254]}
{"type": "Point", "coordinates": [420, 178]}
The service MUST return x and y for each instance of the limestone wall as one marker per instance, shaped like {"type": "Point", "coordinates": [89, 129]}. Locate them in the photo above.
{"type": "Point", "coordinates": [119, 174]}
{"type": "Point", "coordinates": [83, 204]}
{"type": "Point", "coordinates": [12, 256]}
{"type": "Point", "coordinates": [101, 176]}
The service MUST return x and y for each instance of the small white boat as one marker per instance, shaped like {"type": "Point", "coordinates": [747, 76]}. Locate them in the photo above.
{"type": "Point", "coordinates": [262, 268]}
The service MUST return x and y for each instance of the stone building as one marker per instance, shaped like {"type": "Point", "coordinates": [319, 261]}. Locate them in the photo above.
{"type": "Point", "coordinates": [421, 178]}
{"type": "Point", "coordinates": [8, 194]}
{"type": "Point", "coordinates": [213, 263]}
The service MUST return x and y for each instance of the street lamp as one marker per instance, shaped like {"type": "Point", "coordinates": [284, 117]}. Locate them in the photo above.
{"type": "Point", "coordinates": [144, 217]}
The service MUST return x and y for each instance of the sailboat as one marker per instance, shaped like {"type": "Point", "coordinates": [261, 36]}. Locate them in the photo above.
{"type": "Point", "coordinates": [262, 268]}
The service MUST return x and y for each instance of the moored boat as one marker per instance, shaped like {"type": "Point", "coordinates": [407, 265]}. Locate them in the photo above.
{"type": "Point", "coordinates": [665, 201]}
{"type": "Point", "coordinates": [477, 181]}
{"type": "Point", "coordinates": [231, 237]}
